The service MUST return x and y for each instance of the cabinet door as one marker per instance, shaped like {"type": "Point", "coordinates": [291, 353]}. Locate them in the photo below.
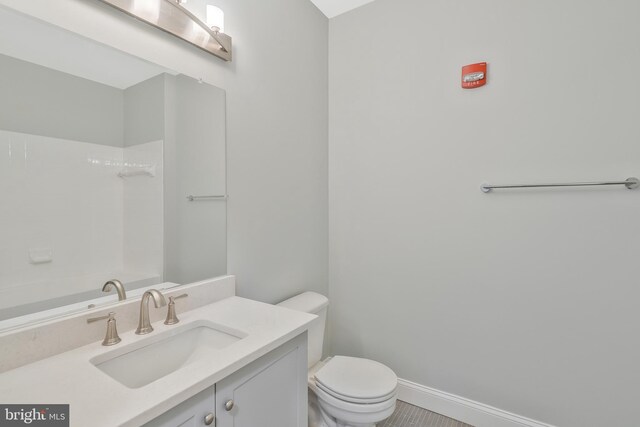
{"type": "Point", "coordinates": [270, 392]}
{"type": "Point", "coordinates": [190, 413]}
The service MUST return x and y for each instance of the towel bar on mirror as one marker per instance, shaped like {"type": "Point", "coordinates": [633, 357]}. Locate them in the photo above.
{"type": "Point", "coordinates": [196, 198]}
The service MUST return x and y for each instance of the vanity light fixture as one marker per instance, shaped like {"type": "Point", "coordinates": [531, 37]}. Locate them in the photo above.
{"type": "Point", "coordinates": [173, 17]}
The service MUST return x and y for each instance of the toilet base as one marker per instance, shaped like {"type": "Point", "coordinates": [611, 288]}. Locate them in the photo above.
{"type": "Point", "coordinates": [320, 418]}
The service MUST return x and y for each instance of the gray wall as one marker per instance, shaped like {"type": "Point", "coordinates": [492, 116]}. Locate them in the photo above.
{"type": "Point", "coordinates": [41, 101]}
{"type": "Point", "coordinates": [144, 110]}
{"type": "Point", "coordinates": [277, 116]}
{"type": "Point", "coordinates": [196, 237]}
{"type": "Point", "coordinates": [524, 300]}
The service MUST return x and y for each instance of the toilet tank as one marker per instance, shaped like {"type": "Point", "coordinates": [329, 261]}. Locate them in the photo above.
{"type": "Point", "coordinates": [311, 302]}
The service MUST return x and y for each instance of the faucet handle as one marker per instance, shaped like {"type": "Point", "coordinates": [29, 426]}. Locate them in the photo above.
{"type": "Point", "coordinates": [110, 316]}
{"type": "Point", "coordinates": [111, 337]}
{"type": "Point", "coordinates": [171, 299]}
{"type": "Point", "coordinates": [172, 318]}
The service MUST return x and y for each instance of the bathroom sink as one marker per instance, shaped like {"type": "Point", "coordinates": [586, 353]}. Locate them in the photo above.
{"type": "Point", "coordinates": [148, 360]}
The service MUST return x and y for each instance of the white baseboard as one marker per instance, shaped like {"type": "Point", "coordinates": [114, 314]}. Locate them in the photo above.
{"type": "Point", "coordinates": [461, 409]}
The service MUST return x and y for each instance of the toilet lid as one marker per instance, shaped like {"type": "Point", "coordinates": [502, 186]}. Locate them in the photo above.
{"type": "Point", "coordinates": [355, 379]}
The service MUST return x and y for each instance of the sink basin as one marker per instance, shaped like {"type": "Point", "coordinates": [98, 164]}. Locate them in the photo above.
{"type": "Point", "coordinates": [148, 360]}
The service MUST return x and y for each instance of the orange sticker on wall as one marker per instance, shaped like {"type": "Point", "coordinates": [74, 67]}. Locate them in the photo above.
{"type": "Point", "coordinates": [474, 75]}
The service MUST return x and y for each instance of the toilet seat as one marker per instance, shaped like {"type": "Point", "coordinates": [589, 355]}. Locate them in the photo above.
{"type": "Point", "coordinates": [354, 399]}
{"type": "Point", "coordinates": [356, 380]}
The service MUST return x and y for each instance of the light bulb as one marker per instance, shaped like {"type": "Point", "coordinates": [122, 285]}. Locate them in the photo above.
{"type": "Point", "coordinates": [215, 18]}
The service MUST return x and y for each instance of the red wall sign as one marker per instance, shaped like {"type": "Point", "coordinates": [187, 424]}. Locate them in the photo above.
{"type": "Point", "coordinates": [474, 75]}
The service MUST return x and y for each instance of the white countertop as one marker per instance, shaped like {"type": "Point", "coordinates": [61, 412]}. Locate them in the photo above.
{"type": "Point", "coordinates": [97, 400]}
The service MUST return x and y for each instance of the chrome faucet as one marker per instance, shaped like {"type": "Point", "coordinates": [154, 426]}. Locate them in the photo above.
{"type": "Point", "coordinates": [144, 325]}
{"type": "Point", "coordinates": [122, 295]}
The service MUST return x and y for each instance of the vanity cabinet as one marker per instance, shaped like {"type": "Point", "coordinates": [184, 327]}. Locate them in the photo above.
{"type": "Point", "coordinates": [271, 391]}
{"type": "Point", "coordinates": [194, 412]}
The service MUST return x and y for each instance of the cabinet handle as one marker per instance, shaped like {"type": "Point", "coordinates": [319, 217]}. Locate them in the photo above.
{"type": "Point", "coordinates": [229, 405]}
{"type": "Point", "coordinates": [209, 419]}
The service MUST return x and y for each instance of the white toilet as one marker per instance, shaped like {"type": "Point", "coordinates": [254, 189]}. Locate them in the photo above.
{"type": "Point", "coordinates": [343, 391]}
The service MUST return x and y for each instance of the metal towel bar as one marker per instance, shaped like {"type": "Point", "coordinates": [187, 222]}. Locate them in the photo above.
{"type": "Point", "coordinates": [196, 198]}
{"type": "Point", "coordinates": [630, 183]}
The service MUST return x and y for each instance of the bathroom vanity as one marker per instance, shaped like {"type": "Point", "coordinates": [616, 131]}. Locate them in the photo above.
{"type": "Point", "coordinates": [232, 362]}
{"type": "Point", "coordinates": [265, 392]}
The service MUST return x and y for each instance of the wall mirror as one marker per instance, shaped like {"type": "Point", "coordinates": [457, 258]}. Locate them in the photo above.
{"type": "Point", "coordinates": [111, 167]}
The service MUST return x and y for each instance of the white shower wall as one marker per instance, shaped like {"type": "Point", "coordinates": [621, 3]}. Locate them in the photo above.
{"type": "Point", "coordinates": [65, 198]}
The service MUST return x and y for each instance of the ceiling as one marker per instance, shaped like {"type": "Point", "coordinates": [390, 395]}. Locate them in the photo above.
{"type": "Point", "coordinates": [333, 8]}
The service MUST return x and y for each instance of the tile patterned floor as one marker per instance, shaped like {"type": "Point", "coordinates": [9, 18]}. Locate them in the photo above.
{"type": "Point", "coordinates": [411, 416]}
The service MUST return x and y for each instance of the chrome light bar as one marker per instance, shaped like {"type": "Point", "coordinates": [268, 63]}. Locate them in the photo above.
{"type": "Point", "coordinates": [172, 17]}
